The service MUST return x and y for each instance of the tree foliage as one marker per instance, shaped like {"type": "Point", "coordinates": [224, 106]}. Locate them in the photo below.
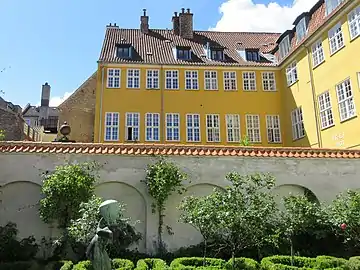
{"type": "Point", "coordinates": [2, 135]}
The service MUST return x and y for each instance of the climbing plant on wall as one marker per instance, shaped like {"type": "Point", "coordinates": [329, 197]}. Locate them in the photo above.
{"type": "Point", "coordinates": [162, 179]}
{"type": "Point", "coordinates": [2, 135]}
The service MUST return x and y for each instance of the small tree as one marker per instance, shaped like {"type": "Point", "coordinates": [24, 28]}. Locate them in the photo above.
{"type": "Point", "coordinates": [245, 141]}
{"type": "Point", "coordinates": [162, 179]}
{"type": "Point", "coordinates": [2, 135]}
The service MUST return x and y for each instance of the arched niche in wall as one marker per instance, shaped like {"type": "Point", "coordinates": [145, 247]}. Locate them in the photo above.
{"type": "Point", "coordinates": [135, 204]}
{"type": "Point", "coordinates": [19, 203]}
{"type": "Point", "coordinates": [290, 189]}
{"type": "Point", "coordinates": [184, 234]}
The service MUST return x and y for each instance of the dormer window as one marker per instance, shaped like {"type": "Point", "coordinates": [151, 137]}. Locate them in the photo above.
{"type": "Point", "coordinates": [301, 29]}
{"type": "Point", "coordinates": [252, 55]}
{"type": "Point", "coordinates": [124, 51]}
{"type": "Point", "coordinates": [331, 5]}
{"type": "Point", "coordinates": [284, 47]}
{"type": "Point", "coordinates": [217, 54]}
{"type": "Point", "coordinates": [183, 53]}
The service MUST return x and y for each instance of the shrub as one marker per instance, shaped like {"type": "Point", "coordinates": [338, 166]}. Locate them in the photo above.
{"type": "Point", "coordinates": [65, 265]}
{"type": "Point", "coordinates": [284, 263]}
{"type": "Point", "coordinates": [353, 263]}
{"type": "Point", "coordinates": [328, 262]}
{"type": "Point", "coordinates": [148, 264]}
{"type": "Point", "coordinates": [16, 265]}
{"type": "Point", "coordinates": [84, 265]}
{"type": "Point", "coordinates": [242, 264]}
{"type": "Point", "coordinates": [196, 262]}
{"type": "Point", "coordinates": [121, 264]}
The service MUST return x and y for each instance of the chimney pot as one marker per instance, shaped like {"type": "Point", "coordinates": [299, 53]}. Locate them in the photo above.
{"type": "Point", "coordinates": [144, 11]}
{"type": "Point", "coordinates": [175, 14]}
{"type": "Point", "coordinates": [183, 10]}
{"type": "Point", "coordinates": [188, 10]}
{"type": "Point", "coordinates": [176, 24]}
{"type": "Point", "coordinates": [114, 24]}
{"type": "Point", "coordinates": [186, 24]}
{"type": "Point", "coordinates": [144, 23]}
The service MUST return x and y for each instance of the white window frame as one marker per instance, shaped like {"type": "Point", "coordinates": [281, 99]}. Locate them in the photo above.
{"type": "Point", "coordinates": [132, 126]}
{"type": "Point", "coordinates": [318, 55]}
{"type": "Point", "coordinates": [284, 47]}
{"type": "Point", "coordinates": [213, 130]}
{"type": "Point", "coordinates": [354, 23]}
{"type": "Point", "coordinates": [331, 5]}
{"type": "Point", "coordinates": [172, 79]}
{"type": "Point", "coordinates": [193, 80]}
{"type": "Point", "coordinates": [232, 128]}
{"type": "Point", "coordinates": [211, 81]}
{"type": "Point", "coordinates": [346, 100]}
{"type": "Point", "coordinates": [273, 127]}
{"type": "Point", "coordinates": [297, 124]}
{"type": "Point", "coordinates": [358, 78]}
{"type": "Point", "coordinates": [133, 78]}
{"type": "Point", "coordinates": [152, 127]}
{"type": "Point", "coordinates": [301, 30]}
{"type": "Point", "coordinates": [113, 76]}
{"type": "Point", "coordinates": [336, 38]}
{"type": "Point", "coordinates": [292, 74]}
{"type": "Point", "coordinates": [230, 80]}
{"type": "Point", "coordinates": [112, 127]}
{"type": "Point", "coordinates": [152, 79]}
{"type": "Point", "coordinates": [172, 126]}
{"type": "Point", "coordinates": [252, 126]}
{"type": "Point", "coordinates": [193, 128]}
{"type": "Point", "coordinates": [269, 84]}
{"type": "Point", "coordinates": [249, 80]}
{"type": "Point", "coordinates": [325, 110]}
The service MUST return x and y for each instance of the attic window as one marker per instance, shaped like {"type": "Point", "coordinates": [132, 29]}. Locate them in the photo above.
{"type": "Point", "coordinates": [124, 51]}
{"type": "Point", "coordinates": [217, 54]}
{"type": "Point", "coordinates": [252, 55]}
{"type": "Point", "coordinates": [284, 47]}
{"type": "Point", "coordinates": [183, 53]}
{"type": "Point", "coordinates": [301, 29]}
{"type": "Point", "coordinates": [331, 5]}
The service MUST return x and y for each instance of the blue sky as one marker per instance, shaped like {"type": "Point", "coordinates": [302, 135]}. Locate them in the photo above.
{"type": "Point", "coordinates": [59, 41]}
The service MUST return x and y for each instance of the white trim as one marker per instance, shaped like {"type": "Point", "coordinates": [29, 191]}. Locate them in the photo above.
{"type": "Point", "coordinates": [249, 73]}
{"type": "Point", "coordinates": [133, 77]}
{"type": "Point", "coordinates": [230, 79]}
{"type": "Point", "coordinates": [317, 51]}
{"type": "Point", "coordinates": [172, 79]}
{"type": "Point", "coordinates": [191, 79]}
{"type": "Point", "coordinates": [335, 35]}
{"type": "Point", "coordinates": [252, 116]}
{"type": "Point", "coordinates": [152, 79]}
{"type": "Point", "coordinates": [233, 129]}
{"type": "Point", "coordinates": [297, 124]}
{"type": "Point", "coordinates": [216, 80]}
{"type": "Point", "coordinates": [345, 100]}
{"type": "Point", "coordinates": [213, 129]}
{"type": "Point", "coordinates": [108, 76]}
{"type": "Point", "coordinates": [112, 126]}
{"type": "Point", "coordinates": [358, 78]}
{"type": "Point", "coordinates": [186, 124]}
{"type": "Point", "coordinates": [132, 126]}
{"type": "Point", "coordinates": [262, 81]}
{"type": "Point", "coordinates": [326, 111]}
{"type": "Point", "coordinates": [273, 118]}
{"type": "Point", "coordinates": [291, 73]}
{"type": "Point", "coordinates": [356, 22]}
{"type": "Point", "coordinates": [173, 128]}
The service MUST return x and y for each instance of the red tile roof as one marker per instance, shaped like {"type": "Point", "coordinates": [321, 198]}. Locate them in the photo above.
{"type": "Point", "coordinates": [173, 150]}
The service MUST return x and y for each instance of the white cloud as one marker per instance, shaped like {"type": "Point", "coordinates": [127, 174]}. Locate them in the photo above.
{"type": "Point", "coordinates": [56, 101]}
{"type": "Point", "coordinates": [245, 15]}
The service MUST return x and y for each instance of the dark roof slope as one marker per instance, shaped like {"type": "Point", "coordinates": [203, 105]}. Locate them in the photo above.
{"type": "Point", "coordinates": [35, 111]}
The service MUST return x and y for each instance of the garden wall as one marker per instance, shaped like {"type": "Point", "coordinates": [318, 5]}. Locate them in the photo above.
{"type": "Point", "coordinates": [323, 172]}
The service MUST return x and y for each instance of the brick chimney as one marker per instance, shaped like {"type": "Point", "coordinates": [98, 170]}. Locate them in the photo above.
{"type": "Point", "coordinates": [144, 23]}
{"type": "Point", "coordinates": [45, 95]}
{"type": "Point", "coordinates": [176, 24]}
{"type": "Point", "coordinates": [186, 24]}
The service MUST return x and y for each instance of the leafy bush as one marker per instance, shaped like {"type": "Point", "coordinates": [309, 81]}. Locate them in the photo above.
{"type": "Point", "coordinates": [16, 265]}
{"type": "Point", "coordinates": [84, 265]}
{"type": "Point", "coordinates": [242, 264]}
{"type": "Point", "coordinates": [121, 264]}
{"type": "Point", "coordinates": [328, 262]}
{"type": "Point", "coordinates": [151, 264]}
{"type": "Point", "coordinates": [195, 262]}
{"type": "Point", "coordinates": [353, 263]}
{"type": "Point", "coordinates": [284, 263]}
{"type": "Point", "coordinates": [65, 265]}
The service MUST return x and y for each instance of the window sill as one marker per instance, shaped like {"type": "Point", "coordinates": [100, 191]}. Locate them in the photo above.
{"type": "Point", "coordinates": [249, 90]}
{"type": "Point", "coordinates": [270, 90]}
{"type": "Point", "coordinates": [298, 139]}
{"type": "Point", "coordinates": [291, 84]}
{"type": "Point", "coordinates": [213, 142]}
{"type": "Point", "coordinates": [129, 88]}
{"type": "Point", "coordinates": [152, 88]}
{"type": "Point", "coordinates": [111, 140]}
{"type": "Point", "coordinates": [113, 87]}
{"type": "Point", "coordinates": [314, 67]}
{"type": "Point", "coordinates": [328, 127]}
{"type": "Point", "coordinates": [191, 89]}
{"type": "Point", "coordinates": [172, 89]}
{"type": "Point", "coordinates": [211, 90]}
{"type": "Point", "coordinates": [348, 119]}
{"type": "Point", "coordinates": [172, 141]}
{"type": "Point", "coordinates": [274, 142]}
{"type": "Point", "coordinates": [352, 39]}
{"type": "Point", "coordinates": [338, 50]}
{"type": "Point", "coordinates": [152, 141]}
{"type": "Point", "coordinates": [230, 90]}
{"type": "Point", "coordinates": [197, 142]}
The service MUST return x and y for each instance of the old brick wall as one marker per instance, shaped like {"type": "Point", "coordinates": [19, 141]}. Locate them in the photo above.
{"type": "Point", "coordinates": [79, 111]}
{"type": "Point", "coordinates": [12, 124]}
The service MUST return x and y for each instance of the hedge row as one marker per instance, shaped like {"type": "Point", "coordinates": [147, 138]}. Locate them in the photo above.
{"type": "Point", "coordinates": [192, 263]}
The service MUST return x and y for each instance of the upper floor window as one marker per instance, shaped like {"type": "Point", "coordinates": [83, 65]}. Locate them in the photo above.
{"type": "Point", "coordinates": [152, 127]}
{"type": "Point", "coordinates": [124, 51]}
{"type": "Point", "coordinates": [232, 127]}
{"type": "Point", "coordinates": [172, 127]}
{"type": "Point", "coordinates": [133, 78]}
{"type": "Point", "coordinates": [331, 5]}
{"type": "Point", "coordinates": [217, 54]}
{"type": "Point", "coordinates": [301, 29]}
{"type": "Point", "coordinates": [249, 81]}
{"type": "Point", "coordinates": [354, 23]}
{"type": "Point", "coordinates": [345, 98]}
{"type": "Point", "coordinates": [132, 126]}
{"type": "Point", "coordinates": [111, 126]}
{"type": "Point", "coordinates": [230, 80]}
{"type": "Point", "coordinates": [291, 74]}
{"type": "Point", "coordinates": [193, 127]}
{"type": "Point", "coordinates": [336, 38]}
{"type": "Point", "coordinates": [183, 53]}
{"type": "Point", "coordinates": [284, 47]}
{"type": "Point", "coordinates": [252, 55]}
{"type": "Point", "coordinates": [152, 79]}
{"type": "Point", "coordinates": [253, 128]}
{"type": "Point", "coordinates": [297, 122]}
{"type": "Point", "coordinates": [191, 80]}
{"type": "Point", "coordinates": [172, 79]}
{"type": "Point", "coordinates": [213, 128]}
{"type": "Point", "coordinates": [211, 80]}
{"type": "Point", "coordinates": [268, 80]}
{"type": "Point", "coordinates": [326, 114]}
{"type": "Point", "coordinates": [113, 78]}
{"type": "Point", "coordinates": [273, 128]}
{"type": "Point", "coordinates": [317, 53]}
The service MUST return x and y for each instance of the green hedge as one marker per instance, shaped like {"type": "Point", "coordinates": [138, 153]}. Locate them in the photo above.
{"type": "Point", "coordinates": [122, 264]}
{"type": "Point", "coordinates": [84, 265]}
{"type": "Point", "coordinates": [196, 262]}
{"type": "Point", "coordinates": [284, 263]}
{"type": "Point", "coordinates": [151, 264]}
{"type": "Point", "coordinates": [353, 263]}
{"type": "Point", "coordinates": [242, 264]}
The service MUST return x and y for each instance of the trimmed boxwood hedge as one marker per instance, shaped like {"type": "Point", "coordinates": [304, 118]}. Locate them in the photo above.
{"type": "Point", "coordinates": [151, 264]}
{"type": "Point", "coordinates": [84, 265]}
{"type": "Point", "coordinates": [122, 264]}
{"type": "Point", "coordinates": [242, 264]}
{"type": "Point", "coordinates": [196, 262]}
{"type": "Point", "coordinates": [284, 263]}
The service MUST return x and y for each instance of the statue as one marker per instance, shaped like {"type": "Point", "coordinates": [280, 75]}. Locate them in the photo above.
{"type": "Point", "coordinates": [96, 252]}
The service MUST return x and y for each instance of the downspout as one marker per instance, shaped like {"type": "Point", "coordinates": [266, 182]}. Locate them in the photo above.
{"type": "Point", "coordinates": [162, 114]}
{"type": "Point", "coordinates": [318, 130]}
{"type": "Point", "coordinates": [101, 103]}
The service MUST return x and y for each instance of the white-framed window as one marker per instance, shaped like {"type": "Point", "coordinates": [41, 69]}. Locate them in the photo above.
{"type": "Point", "coordinates": [326, 114]}
{"type": "Point", "coordinates": [133, 78]}
{"type": "Point", "coordinates": [171, 79]}
{"type": "Point", "coordinates": [211, 82]}
{"type": "Point", "coordinates": [249, 81]}
{"type": "Point", "coordinates": [152, 127]}
{"type": "Point", "coordinates": [273, 128]}
{"type": "Point", "coordinates": [212, 128]}
{"type": "Point", "coordinates": [111, 126]}
{"type": "Point", "coordinates": [291, 74]}
{"type": "Point", "coordinates": [253, 128]}
{"type": "Point", "coordinates": [336, 38]}
{"type": "Point", "coordinates": [297, 122]}
{"type": "Point", "coordinates": [268, 81]}
{"type": "Point", "coordinates": [193, 127]}
{"type": "Point", "coordinates": [358, 77]}
{"type": "Point", "coordinates": [301, 30]}
{"type": "Point", "coordinates": [132, 126]}
{"type": "Point", "coordinates": [152, 79]}
{"type": "Point", "coordinates": [345, 100]}
{"type": "Point", "coordinates": [331, 5]}
{"type": "Point", "coordinates": [230, 80]}
{"type": "Point", "coordinates": [191, 80]}
{"type": "Point", "coordinates": [173, 127]}
{"type": "Point", "coordinates": [354, 23]}
{"type": "Point", "coordinates": [232, 127]}
{"type": "Point", "coordinates": [317, 53]}
{"type": "Point", "coordinates": [284, 47]}
{"type": "Point", "coordinates": [113, 77]}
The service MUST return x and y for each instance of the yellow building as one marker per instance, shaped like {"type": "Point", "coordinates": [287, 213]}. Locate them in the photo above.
{"type": "Point", "coordinates": [204, 87]}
